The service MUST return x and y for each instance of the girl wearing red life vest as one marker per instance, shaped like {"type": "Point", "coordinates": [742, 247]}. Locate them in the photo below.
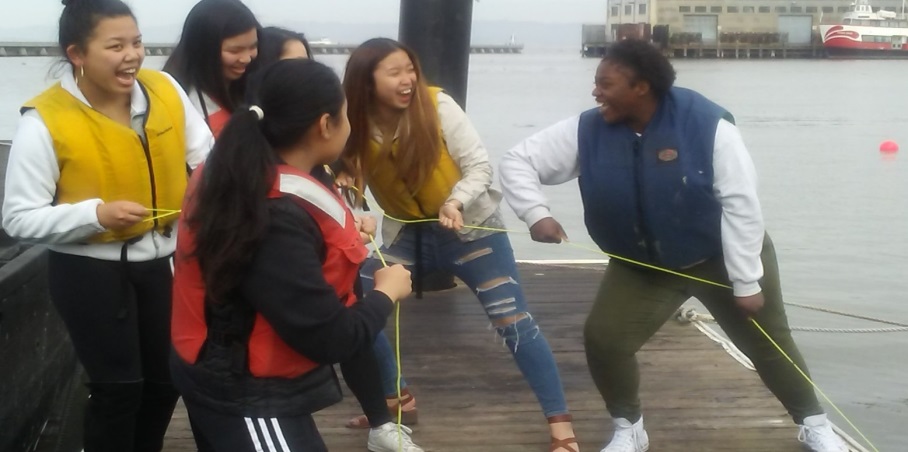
{"type": "Point", "coordinates": [218, 44]}
{"type": "Point", "coordinates": [265, 298]}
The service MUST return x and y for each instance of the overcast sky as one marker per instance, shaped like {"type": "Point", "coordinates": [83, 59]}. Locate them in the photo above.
{"type": "Point", "coordinates": [156, 13]}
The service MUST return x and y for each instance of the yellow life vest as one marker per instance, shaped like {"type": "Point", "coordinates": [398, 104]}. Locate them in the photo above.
{"type": "Point", "coordinates": [101, 158]}
{"type": "Point", "coordinates": [391, 191]}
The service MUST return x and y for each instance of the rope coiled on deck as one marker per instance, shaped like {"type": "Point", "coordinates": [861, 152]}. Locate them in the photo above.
{"type": "Point", "coordinates": [690, 315]}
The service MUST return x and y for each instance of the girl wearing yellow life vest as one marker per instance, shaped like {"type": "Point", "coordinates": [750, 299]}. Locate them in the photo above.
{"type": "Point", "coordinates": [417, 152]}
{"type": "Point", "coordinates": [265, 300]}
{"type": "Point", "coordinates": [97, 172]}
{"type": "Point", "coordinates": [218, 44]}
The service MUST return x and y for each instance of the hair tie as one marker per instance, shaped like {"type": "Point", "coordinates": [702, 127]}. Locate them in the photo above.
{"type": "Point", "coordinates": [258, 111]}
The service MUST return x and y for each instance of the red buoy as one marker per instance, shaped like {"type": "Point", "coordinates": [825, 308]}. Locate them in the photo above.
{"type": "Point", "coordinates": [889, 147]}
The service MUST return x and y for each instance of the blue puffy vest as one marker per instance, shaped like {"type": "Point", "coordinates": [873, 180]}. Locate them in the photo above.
{"type": "Point", "coordinates": [650, 198]}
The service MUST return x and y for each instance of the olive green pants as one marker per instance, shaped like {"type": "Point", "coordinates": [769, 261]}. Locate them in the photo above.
{"type": "Point", "coordinates": [634, 302]}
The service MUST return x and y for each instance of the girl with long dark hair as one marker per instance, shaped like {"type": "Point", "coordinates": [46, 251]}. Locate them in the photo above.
{"type": "Point", "coordinates": [277, 44]}
{"type": "Point", "coordinates": [417, 152]}
{"type": "Point", "coordinates": [218, 45]}
{"type": "Point", "coordinates": [265, 296]}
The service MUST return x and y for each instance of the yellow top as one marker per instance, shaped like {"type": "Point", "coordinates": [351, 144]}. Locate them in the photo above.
{"type": "Point", "coordinates": [101, 158]}
{"type": "Point", "coordinates": [391, 191]}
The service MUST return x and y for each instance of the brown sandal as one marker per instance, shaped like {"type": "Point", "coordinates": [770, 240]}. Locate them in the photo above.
{"type": "Point", "coordinates": [409, 413]}
{"type": "Point", "coordinates": [563, 443]}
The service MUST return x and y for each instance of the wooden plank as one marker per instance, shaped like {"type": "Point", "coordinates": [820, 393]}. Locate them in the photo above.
{"type": "Point", "coordinates": [472, 397]}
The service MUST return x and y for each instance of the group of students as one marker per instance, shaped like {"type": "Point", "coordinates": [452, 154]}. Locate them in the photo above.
{"type": "Point", "coordinates": [245, 143]}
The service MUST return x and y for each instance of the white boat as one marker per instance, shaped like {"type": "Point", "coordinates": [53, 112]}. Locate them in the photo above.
{"type": "Point", "coordinates": [863, 33]}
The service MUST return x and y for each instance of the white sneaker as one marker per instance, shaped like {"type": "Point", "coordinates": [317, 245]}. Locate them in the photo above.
{"type": "Point", "coordinates": [628, 437]}
{"type": "Point", "coordinates": [385, 439]}
{"type": "Point", "coordinates": [817, 434]}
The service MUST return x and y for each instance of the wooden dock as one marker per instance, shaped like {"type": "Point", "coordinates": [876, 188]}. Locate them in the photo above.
{"type": "Point", "coordinates": [471, 396]}
{"type": "Point", "coordinates": [741, 51]}
{"type": "Point", "coordinates": [744, 51]}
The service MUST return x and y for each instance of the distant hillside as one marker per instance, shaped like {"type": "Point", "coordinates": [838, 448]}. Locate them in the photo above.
{"type": "Point", "coordinates": [533, 35]}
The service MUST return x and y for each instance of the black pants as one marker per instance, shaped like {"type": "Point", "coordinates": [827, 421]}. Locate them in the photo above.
{"type": "Point", "coordinates": [364, 380]}
{"type": "Point", "coordinates": [118, 318]}
{"type": "Point", "coordinates": [215, 431]}
{"type": "Point", "coordinates": [219, 432]}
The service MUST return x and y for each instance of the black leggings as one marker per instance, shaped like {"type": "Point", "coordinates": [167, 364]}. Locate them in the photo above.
{"type": "Point", "coordinates": [364, 380]}
{"type": "Point", "coordinates": [118, 318]}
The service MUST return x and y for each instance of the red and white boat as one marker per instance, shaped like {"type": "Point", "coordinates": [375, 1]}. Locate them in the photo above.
{"type": "Point", "coordinates": [863, 33]}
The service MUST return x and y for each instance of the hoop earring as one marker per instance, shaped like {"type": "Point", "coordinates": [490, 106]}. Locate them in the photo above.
{"type": "Point", "coordinates": [82, 71]}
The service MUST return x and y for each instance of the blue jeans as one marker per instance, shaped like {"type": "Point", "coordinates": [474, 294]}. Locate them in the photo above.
{"type": "Point", "coordinates": [487, 266]}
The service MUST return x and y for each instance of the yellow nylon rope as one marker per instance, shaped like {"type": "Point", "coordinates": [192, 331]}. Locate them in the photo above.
{"type": "Point", "coordinates": [815, 386]}
{"type": "Point", "coordinates": [400, 439]}
{"type": "Point", "coordinates": [161, 216]}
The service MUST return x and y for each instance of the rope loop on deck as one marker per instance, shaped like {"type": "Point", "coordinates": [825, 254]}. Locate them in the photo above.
{"type": "Point", "coordinates": [690, 315]}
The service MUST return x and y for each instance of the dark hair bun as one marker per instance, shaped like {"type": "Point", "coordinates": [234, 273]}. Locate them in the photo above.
{"type": "Point", "coordinates": [79, 18]}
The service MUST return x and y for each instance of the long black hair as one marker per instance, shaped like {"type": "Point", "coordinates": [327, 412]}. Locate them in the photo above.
{"type": "Point", "coordinates": [272, 41]}
{"type": "Point", "coordinates": [231, 215]}
{"type": "Point", "coordinates": [196, 60]}
{"type": "Point", "coordinates": [80, 17]}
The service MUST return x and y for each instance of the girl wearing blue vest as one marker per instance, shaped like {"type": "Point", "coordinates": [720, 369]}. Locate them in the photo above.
{"type": "Point", "coordinates": [665, 179]}
{"type": "Point", "coordinates": [417, 152]}
{"type": "Point", "coordinates": [217, 47]}
{"type": "Point", "coordinates": [97, 172]}
{"type": "Point", "coordinates": [265, 296]}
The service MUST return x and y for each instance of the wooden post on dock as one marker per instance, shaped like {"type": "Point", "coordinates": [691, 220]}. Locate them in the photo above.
{"type": "Point", "coordinates": [439, 32]}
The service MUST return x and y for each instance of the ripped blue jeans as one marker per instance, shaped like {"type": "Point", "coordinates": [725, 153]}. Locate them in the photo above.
{"type": "Point", "coordinates": [487, 266]}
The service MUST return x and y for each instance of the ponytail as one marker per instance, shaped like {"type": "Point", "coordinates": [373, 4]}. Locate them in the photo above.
{"type": "Point", "coordinates": [230, 215]}
{"type": "Point", "coordinates": [231, 212]}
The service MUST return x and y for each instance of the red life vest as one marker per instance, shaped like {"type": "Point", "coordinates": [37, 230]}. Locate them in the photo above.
{"type": "Point", "coordinates": [216, 116]}
{"type": "Point", "coordinates": [268, 355]}
{"type": "Point", "coordinates": [217, 120]}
